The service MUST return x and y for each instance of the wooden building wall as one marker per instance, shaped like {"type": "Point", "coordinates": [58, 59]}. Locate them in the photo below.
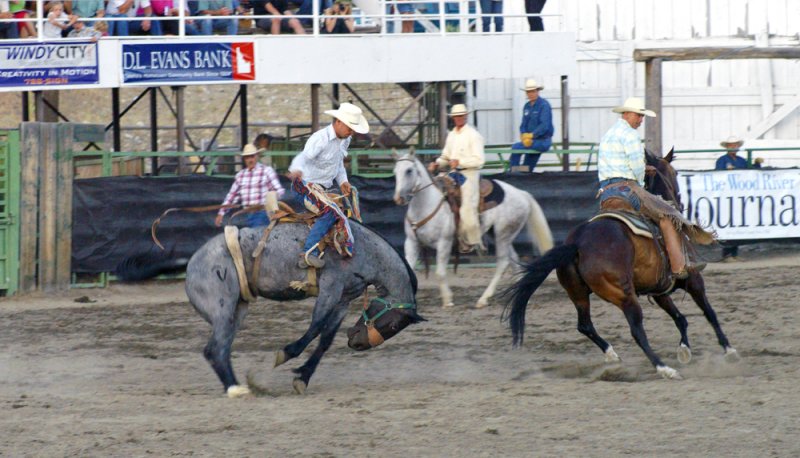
{"type": "Point", "coordinates": [704, 101]}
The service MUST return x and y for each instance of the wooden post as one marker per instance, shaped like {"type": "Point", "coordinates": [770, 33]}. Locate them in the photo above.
{"type": "Point", "coordinates": [26, 109]}
{"type": "Point", "coordinates": [565, 122]}
{"type": "Point", "coordinates": [154, 130]}
{"type": "Point", "coordinates": [47, 207]}
{"type": "Point", "coordinates": [442, 113]}
{"type": "Point", "coordinates": [315, 107]}
{"type": "Point", "coordinates": [652, 100]}
{"type": "Point", "coordinates": [29, 204]}
{"type": "Point", "coordinates": [180, 124]}
{"type": "Point", "coordinates": [63, 204]}
{"type": "Point", "coordinates": [116, 118]}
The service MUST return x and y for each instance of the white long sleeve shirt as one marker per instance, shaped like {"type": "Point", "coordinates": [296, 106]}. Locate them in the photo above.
{"type": "Point", "coordinates": [466, 145]}
{"type": "Point", "coordinates": [322, 159]}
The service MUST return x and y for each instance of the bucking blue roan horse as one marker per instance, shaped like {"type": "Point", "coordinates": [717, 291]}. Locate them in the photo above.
{"type": "Point", "coordinates": [213, 288]}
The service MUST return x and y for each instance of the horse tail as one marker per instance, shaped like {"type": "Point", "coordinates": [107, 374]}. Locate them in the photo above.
{"type": "Point", "coordinates": [149, 265]}
{"type": "Point", "coordinates": [534, 274]}
{"type": "Point", "coordinates": [538, 229]}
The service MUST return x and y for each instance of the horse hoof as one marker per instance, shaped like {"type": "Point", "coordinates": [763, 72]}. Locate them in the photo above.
{"type": "Point", "coordinates": [611, 355]}
{"type": "Point", "coordinates": [238, 391]}
{"type": "Point", "coordinates": [684, 354]}
{"type": "Point", "coordinates": [448, 304]}
{"type": "Point", "coordinates": [299, 386]}
{"type": "Point", "coordinates": [280, 358]}
{"type": "Point", "coordinates": [668, 373]}
{"type": "Point", "coordinates": [731, 355]}
{"type": "Point", "coordinates": [481, 305]}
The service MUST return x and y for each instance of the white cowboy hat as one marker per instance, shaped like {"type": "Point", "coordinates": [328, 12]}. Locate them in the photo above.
{"type": "Point", "coordinates": [732, 140]}
{"type": "Point", "coordinates": [458, 109]}
{"type": "Point", "coordinates": [250, 150]}
{"type": "Point", "coordinates": [532, 85]}
{"type": "Point", "coordinates": [352, 116]}
{"type": "Point", "coordinates": [634, 105]}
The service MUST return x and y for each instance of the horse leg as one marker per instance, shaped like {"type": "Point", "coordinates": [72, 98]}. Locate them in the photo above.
{"type": "Point", "coordinates": [218, 349]}
{"type": "Point", "coordinates": [411, 249]}
{"type": "Point", "coordinates": [633, 313]}
{"type": "Point", "coordinates": [579, 292]}
{"type": "Point", "coordinates": [443, 249]}
{"type": "Point", "coordinates": [684, 350]}
{"type": "Point", "coordinates": [328, 332]}
{"type": "Point", "coordinates": [503, 247]}
{"type": "Point", "coordinates": [322, 309]}
{"type": "Point", "coordinates": [695, 286]}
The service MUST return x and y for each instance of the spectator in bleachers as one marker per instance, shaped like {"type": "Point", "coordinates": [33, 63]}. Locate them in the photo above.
{"type": "Point", "coordinates": [492, 7]}
{"type": "Point", "coordinates": [536, 129]}
{"type": "Point", "coordinates": [169, 8]}
{"type": "Point", "coordinates": [81, 30]}
{"type": "Point", "coordinates": [25, 29]}
{"type": "Point", "coordinates": [217, 8]}
{"type": "Point", "coordinates": [57, 21]}
{"type": "Point", "coordinates": [335, 23]}
{"type": "Point", "coordinates": [405, 8]}
{"type": "Point", "coordinates": [307, 8]}
{"type": "Point", "coordinates": [283, 21]}
{"type": "Point", "coordinates": [731, 160]}
{"type": "Point", "coordinates": [535, 7]}
{"type": "Point", "coordinates": [262, 142]}
{"type": "Point", "coordinates": [7, 29]}
{"type": "Point", "coordinates": [132, 9]}
{"type": "Point", "coordinates": [86, 8]}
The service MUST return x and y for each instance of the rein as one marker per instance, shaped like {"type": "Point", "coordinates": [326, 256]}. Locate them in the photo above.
{"type": "Point", "coordinates": [418, 224]}
{"type": "Point", "coordinates": [374, 336]}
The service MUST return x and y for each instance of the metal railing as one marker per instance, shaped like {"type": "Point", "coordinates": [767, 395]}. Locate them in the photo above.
{"type": "Point", "coordinates": [462, 21]}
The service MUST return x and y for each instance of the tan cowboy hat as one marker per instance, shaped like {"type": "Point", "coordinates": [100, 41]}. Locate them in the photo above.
{"type": "Point", "coordinates": [352, 116]}
{"type": "Point", "coordinates": [532, 85]}
{"type": "Point", "coordinates": [732, 140]}
{"type": "Point", "coordinates": [634, 105]}
{"type": "Point", "coordinates": [458, 109]}
{"type": "Point", "coordinates": [250, 150]}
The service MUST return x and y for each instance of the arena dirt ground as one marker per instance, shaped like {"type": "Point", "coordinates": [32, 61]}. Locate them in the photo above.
{"type": "Point", "coordinates": [123, 375]}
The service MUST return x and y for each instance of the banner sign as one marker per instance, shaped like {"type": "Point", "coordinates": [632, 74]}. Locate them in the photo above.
{"type": "Point", "coordinates": [48, 64]}
{"type": "Point", "coordinates": [744, 204]}
{"type": "Point", "coordinates": [188, 62]}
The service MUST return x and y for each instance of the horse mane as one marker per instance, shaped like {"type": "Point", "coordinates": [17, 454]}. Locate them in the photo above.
{"type": "Point", "coordinates": [410, 271]}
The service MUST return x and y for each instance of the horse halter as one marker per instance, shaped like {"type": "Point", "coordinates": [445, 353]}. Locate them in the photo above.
{"type": "Point", "coordinates": [416, 189]}
{"type": "Point", "coordinates": [373, 335]}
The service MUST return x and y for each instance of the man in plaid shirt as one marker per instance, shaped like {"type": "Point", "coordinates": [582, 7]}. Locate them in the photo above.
{"type": "Point", "coordinates": [250, 187]}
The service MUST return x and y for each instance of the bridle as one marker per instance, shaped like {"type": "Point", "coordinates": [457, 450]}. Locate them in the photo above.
{"type": "Point", "coordinates": [373, 335]}
{"type": "Point", "coordinates": [667, 182]}
{"type": "Point", "coordinates": [415, 225]}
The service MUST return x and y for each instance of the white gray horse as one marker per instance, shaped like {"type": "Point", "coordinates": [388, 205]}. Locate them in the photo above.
{"type": "Point", "coordinates": [429, 222]}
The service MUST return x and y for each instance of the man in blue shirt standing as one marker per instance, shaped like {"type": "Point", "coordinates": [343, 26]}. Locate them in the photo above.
{"type": "Point", "coordinates": [536, 129]}
{"type": "Point", "coordinates": [731, 160]}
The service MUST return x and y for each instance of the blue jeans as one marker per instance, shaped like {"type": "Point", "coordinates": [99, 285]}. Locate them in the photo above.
{"type": "Point", "coordinates": [321, 226]}
{"type": "Point", "coordinates": [256, 219]}
{"type": "Point", "coordinates": [9, 30]}
{"type": "Point", "coordinates": [126, 28]}
{"type": "Point", "coordinates": [208, 26]}
{"type": "Point", "coordinates": [623, 191]}
{"type": "Point", "coordinates": [307, 8]}
{"type": "Point", "coordinates": [530, 159]}
{"type": "Point", "coordinates": [492, 7]}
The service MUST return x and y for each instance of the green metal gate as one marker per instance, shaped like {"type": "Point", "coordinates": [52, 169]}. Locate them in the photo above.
{"type": "Point", "coordinates": [9, 211]}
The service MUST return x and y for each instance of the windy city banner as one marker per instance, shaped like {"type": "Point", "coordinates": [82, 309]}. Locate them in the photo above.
{"type": "Point", "coordinates": [188, 62]}
{"type": "Point", "coordinates": [744, 204]}
{"type": "Point", "coordinates": [47, 64]}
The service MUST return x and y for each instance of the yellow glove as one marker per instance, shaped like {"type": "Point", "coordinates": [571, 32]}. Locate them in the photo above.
{"type": "Point", "coordinates": [526, 139]}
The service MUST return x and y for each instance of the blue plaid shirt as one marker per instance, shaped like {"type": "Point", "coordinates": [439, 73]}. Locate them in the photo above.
{"type": "Point", "coordinates": [621, 154]}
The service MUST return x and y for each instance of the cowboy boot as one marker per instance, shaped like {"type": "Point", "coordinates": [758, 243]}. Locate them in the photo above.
{"type": "Point", "coordinates": [672, 241]}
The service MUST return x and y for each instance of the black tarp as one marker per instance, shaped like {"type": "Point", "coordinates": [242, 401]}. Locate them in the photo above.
{"type": "Point", "coordinates": [112, 216]}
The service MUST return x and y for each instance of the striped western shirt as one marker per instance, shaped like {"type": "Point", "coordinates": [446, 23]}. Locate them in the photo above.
{"type": "Point", "coordinates": [621, 154]}
{"type": "Point", "coordinates": [250, 186]}
{"type": "Point", "coordinates": [322, 159]}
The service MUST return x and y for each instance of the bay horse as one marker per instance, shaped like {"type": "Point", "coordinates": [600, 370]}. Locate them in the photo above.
{"type": "Point", "coordinates": [414, 186]}
{"type": "Point", "coordinates": [214, 291]}
{"type": "Point", "coordinates": [603, 256]}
